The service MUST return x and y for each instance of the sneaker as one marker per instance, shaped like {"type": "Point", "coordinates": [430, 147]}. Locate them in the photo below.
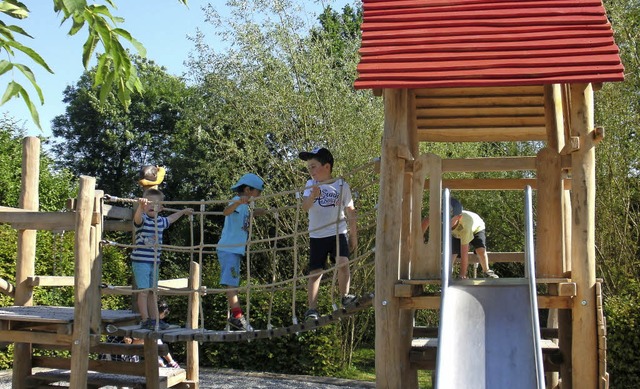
{"type": "Point", "coordinates": [348, 299]}
{"type": "Point", "coordinates": [240, 323]}
{"type": "Point", "coordinates": [490, 274]}
{"type": "Point", "coordinates": [311, 314]}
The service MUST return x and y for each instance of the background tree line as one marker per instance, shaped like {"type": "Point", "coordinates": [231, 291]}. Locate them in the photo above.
{"type": "Point", "coordinates": [285, 85]}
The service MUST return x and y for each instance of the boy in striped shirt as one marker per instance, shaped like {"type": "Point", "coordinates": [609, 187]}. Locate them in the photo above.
{"type": "Point", "coordinates": [145, 259]}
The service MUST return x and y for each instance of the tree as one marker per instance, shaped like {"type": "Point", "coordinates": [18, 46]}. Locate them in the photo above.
{"type": "Point", "coordinates": [110, 143]}
{"type": "Point", "coordinates": [114, 68]}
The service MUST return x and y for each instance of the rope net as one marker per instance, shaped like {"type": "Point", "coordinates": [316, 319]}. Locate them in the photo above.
{"type": "Point", "coordinates": [277, 250]}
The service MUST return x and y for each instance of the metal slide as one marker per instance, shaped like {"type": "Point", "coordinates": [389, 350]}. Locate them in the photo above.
{"type": "Point", "coordinates": [489, 330]}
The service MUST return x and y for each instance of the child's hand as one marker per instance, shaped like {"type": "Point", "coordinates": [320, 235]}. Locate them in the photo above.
{"type": "Point", "coordinates": [315, 191]}
{"type": "Point", "coordinates": [244, 200]}
{"type": "Point", "coordinates": [143, 201]}
{"type": "Point", "coordinates": [188, 211]}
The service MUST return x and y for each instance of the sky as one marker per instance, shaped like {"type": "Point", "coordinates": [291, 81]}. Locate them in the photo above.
{"type": "Point", "coordinates": [163, 27]}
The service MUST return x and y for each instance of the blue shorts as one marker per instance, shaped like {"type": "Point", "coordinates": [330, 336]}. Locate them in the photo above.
{"type": "Point", "coordinates": [479, 241]}
{"type": "Point", "coordinates": [229, 268]}
{"type": "Point", "coordinates": [143, 274]}
{"type": "Point", "coordinates": [320, 248]}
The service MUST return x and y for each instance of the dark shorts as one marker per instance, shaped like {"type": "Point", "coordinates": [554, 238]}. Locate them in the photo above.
{"type": "Point", "coordinates": [479, 241]}
{"type": "Point", "coordinates": [320, 248]}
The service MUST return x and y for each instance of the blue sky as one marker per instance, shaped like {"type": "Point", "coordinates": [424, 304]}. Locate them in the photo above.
{"type": "Point", "coordinates": [163, 26]}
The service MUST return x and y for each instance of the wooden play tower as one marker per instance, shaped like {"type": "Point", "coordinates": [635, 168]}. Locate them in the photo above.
{"type": "Point", "coordinates": [489, 71]}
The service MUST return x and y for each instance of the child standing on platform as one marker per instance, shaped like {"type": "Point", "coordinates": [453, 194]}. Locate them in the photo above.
{"type": "Point", "coordinates": [233, 241]}
{"type": "Point", "coordinates": [328, 203]}
{"type": "Point", "coordinates": [145, 258]}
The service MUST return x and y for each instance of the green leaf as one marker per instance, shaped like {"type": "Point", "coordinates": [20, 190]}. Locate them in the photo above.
{"type": "Point", "coordinates": [13, 88]}
{"type": "Point", "coordinates": [142, 51]}
{"type": "Point", "coordinates": [88, 48]}
{"type": "Point", "coordinates": [14, 9]}
{"type": "Point", "coordinates": [78, 23]}
{"type": "Point", "coordinates": [19, 30]}
{"type": "Point", "coordinates": [72, 6]}
{"type": "Point", "coordinates": [106, 86]}
{"type": "Point", "coordinates": [31, 53]}
{"type": "Point", "coordinates": [31, 106]}
{"type": "Point", "coordinates": [32, 78]}
{"type": "Point", "coordinates": [5, 66]}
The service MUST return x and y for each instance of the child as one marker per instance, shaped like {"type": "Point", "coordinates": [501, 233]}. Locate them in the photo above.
{"type": "Point", "coordinates": [466, 228]}
{"type": "Point", "coordinates": [327, 204]}
{"type": "Point", "coordinates": [232, 243]}
{"type": "Point", "coordinates": [151, 176]}
{"type": "Point", "coordinates": [165, 360]}
{"type": "Point", "coordinates": [145, 258]}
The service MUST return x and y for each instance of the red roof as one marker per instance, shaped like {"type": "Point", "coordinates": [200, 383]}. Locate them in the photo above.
{"type": "Point", "coordinates": [460, 43]}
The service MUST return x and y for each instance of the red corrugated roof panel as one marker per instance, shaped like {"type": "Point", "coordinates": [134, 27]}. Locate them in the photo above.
{"type": "Point", "coordinates": [457, 43]}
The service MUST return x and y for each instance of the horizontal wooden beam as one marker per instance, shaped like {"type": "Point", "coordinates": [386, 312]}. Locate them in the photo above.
{"type": "Point", "coordinates": [534, 100]}
{"type": "Point", "coordinates": [29, 220]}
{"type": "Point", "coordinates": [433, 302]}
{"type": "Point", "coordinates": [117, 225]}
{"type": "Point", "coordinates": [505, 164]}
{"type": "Point", "coordinates": [481, 91]}
{"type": "Point", "coordinates": [483, 134]}
{"type": "Point", "coordinates": [115, 212]}
{"type": "Point", "coordinates": [34, 337]}
{"type": "Point", "coordinates": [478, 112]}
{"type": "Point", "coordinates": [492, 183]}
{"type": "Point", "coordinates": [51, 280]}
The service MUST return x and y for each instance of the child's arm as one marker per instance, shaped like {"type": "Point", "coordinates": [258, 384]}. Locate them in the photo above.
{"type": "Point", "coordinates": [232, 207]}
{"type": "Point", "coordinates": [353, 228]}
{"type": "Point", "coordinates": [177, 215]}
{"type": "Point", "coordinates": [308, 201]}
{"type": "Point", "coordinates": [425, 224]}
{"type": "Point", "coordinates": [137, 216]}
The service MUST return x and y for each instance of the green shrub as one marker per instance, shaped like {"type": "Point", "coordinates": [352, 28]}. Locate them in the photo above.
{"type": "Point", "coordinates": [623, 338]}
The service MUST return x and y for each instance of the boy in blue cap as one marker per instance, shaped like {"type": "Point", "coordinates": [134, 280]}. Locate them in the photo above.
{"type": "Point", "coordinates": [232, 243]}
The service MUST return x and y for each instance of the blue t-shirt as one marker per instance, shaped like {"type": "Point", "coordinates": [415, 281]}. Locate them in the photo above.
{"type": "Point", "coordinates": [146, 236]}
{"type": "Point", "coordinates": [235, 231]}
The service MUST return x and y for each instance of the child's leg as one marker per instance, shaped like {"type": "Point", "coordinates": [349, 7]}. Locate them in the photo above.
{"type": "Point", "coordinates": [344, 275]}
{"type": "Point", "coordinates": [313, 286]}
{"type": "Point", "coordinates": [152, 305]}
{"type": "Point", "coordinates": [481, 252]}
{"type": "Point", "coordinates": [142, 305]}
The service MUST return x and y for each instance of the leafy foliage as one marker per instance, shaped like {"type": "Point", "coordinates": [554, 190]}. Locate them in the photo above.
{"type": "Point", "coordinates": [115, 68]}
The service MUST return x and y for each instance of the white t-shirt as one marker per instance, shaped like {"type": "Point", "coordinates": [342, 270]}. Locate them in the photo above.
{"type": "Point", "coordinates": [329, 209]}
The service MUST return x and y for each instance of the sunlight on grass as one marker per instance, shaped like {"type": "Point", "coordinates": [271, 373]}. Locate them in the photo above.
{"type": "Point", "coordinates": [364, 365]}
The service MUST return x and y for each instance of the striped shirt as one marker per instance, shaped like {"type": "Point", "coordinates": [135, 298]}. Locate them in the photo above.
{"type": "Point", "coordinates": [149, 250]}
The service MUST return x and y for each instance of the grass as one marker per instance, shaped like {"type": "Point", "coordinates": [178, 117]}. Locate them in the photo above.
{"type": "Point", "coordinates": [363, 368]}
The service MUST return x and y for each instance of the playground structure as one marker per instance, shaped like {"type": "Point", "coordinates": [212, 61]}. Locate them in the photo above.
{"type": "Point", "coordinates": [488, 71]}
{"type": "Point", "coordinates": [547, 97]}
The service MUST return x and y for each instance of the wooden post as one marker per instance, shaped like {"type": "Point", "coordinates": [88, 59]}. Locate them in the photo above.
{"type": "Point", "coordinates": [193, 362]}
{"type": "Point", "coordinates": [151, 368]}
{"type": "Point", "coordinates": [549, 232]}
{"type": "Point", "coordinates": [585, 341]}
{"type": "Point", "coordinates": [26, 252]}
{"type": "Point", "coordinates": [83, 299]}
{"type": "Point", "coordinates": [434, 247]}
{"type": "Point", "coordinates": [96, 264]}
{"type": "Point", "coordinates": [392, 356]}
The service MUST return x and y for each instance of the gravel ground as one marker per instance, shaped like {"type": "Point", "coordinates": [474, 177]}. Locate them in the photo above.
{"type": "Point", "coordinates": [234, 379]}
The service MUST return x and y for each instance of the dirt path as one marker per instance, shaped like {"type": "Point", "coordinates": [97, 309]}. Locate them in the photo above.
{"type": "Point", "coordinates": [235, 379]}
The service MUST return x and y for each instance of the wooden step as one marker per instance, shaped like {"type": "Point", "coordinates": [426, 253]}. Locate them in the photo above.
{"type": "Point", "coordinates": [424, 352]}
{"type": "Point", "coordinates": [168, 378]}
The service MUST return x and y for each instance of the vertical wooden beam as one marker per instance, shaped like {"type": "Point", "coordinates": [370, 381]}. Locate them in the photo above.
{"type": "Point", "coordinates": [585, 342]}
{"type": "Point", "coordinates": [26, 251]}
{"type": "Point", "coordinates": [549, 231]}
{"type": "Point", "coordinates": [151, 368]}
{"type": "Point", "coordinates": [412, 204]}
{"type": "Point", "coordinates": [554, 116]}
{"type": "Point", "coordinates": [428, 255]}
{"type": "Point", "coordinates": [82, 304]}
{"type": "Point", "coordinates": [391, 357]}
{"type": "Point", "coordinates": [193, 362]}
{"type": "Point", "coordinates": [96, 265]}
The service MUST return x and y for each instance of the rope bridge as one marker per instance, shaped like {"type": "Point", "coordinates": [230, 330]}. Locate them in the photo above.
{"type": "Point", "coordinates": [285, 234]}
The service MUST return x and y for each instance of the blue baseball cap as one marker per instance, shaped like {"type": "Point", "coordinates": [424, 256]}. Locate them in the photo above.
{"type": "Point", "coordinates": [455, 207]}
{"type": "Point", "coordinates": [251, 180]}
